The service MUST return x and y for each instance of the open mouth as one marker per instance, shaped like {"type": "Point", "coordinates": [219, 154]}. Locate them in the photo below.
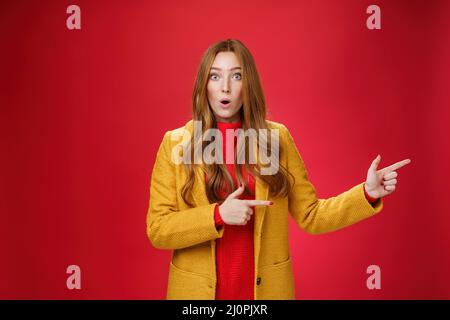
{"type": "Point", "coordinates": [225, 102]}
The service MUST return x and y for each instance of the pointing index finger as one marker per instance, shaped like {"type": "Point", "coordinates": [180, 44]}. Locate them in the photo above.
{"type": "Point", "coordinates": [398, 165]}
{"type": "Point", "coordinates": [258, 202]}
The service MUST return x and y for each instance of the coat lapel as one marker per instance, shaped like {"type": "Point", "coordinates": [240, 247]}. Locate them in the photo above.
{"type": "Point", "coordinates": [261, 193]}
{"type": "Point", "coordinates": [199, 188]}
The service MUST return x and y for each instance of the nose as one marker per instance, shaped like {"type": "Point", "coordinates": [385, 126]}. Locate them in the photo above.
{"type": "Point", "coordinates": [225, 87]}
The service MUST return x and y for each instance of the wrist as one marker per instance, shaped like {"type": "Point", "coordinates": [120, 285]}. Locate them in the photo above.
{"type": "Point", "coordinates": [368, 196]}
{"type": "Point", "coordinates": [217, 217]}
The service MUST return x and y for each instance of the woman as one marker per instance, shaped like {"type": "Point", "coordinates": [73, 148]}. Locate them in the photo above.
{"type": "Point", "coordinates": [227, 223]}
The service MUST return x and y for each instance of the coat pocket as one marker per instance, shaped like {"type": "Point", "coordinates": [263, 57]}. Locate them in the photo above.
{"type": "Point", "coordinates": [186, 285]}
{"type": "Point", "coordinates": [276, 282]}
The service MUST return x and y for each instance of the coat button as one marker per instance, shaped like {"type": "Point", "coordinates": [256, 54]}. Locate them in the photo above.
{"type": "Point", "coordinates": [258, 281]}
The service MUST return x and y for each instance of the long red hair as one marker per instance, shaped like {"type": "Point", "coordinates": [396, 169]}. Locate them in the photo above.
{"type": "Point", "coordinates": [253, 115]}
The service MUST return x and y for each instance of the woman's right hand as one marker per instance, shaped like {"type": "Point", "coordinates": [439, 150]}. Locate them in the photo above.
{"type": "Point", "coordinates": [238, 212]}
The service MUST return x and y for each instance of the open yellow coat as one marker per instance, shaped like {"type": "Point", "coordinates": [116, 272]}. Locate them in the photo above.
{"type": "Point", "coordinates": [191, 233]}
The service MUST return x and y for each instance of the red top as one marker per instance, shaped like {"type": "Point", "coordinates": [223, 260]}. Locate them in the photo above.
{"type": "Point", "coordinates": [235, 251]}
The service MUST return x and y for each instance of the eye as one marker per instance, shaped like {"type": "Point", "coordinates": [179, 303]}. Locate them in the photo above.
{"type": "Point", "coordinates": [239, 76]}
{"type": "Point", "coordinates": [213, 76]}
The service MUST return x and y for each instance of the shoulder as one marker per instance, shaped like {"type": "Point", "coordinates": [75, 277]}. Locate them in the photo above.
{"type": "Point", "coordinates": [186, 126]}
{"type": "Point", "coordinates": [286, 138]}
{"type": "Point", "coordinates": [275, 125]}
{"type": "Point", "coordinates": [174, 137]}
{"type": "Point", "coordinates": [283, 130]}
{"type": "Point", "coordinates": [177, 134]}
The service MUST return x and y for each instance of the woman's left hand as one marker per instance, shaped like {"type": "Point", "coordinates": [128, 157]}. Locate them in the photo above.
{"type": "Point", "coordinates": [380, 183]}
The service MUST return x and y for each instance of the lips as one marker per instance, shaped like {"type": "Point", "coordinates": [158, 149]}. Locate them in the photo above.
{"type": "Point", "coordinates": [225, 103]}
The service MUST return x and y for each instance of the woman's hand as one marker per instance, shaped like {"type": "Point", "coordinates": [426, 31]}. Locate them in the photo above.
{"type": "Point", "coordinates": [238, 212]}
{"type": "Point", "coordinates": [382, 182]}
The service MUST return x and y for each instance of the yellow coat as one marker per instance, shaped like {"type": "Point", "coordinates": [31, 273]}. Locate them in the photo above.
{"type": "Point", "coordinates": [191, 232]}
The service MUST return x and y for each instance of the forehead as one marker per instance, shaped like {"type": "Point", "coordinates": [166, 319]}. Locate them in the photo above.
{"type": "Point", "coordinates": [226, 60]}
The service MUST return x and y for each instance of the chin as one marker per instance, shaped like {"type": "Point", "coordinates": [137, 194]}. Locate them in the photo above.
{"type": "Point", "coordinates": [225, 114]}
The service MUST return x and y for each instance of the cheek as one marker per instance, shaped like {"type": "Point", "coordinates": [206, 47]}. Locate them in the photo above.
{"type": "Point", "coordinates": [239, 91]}
{"type": "Point", "coordinates": [209, 91]}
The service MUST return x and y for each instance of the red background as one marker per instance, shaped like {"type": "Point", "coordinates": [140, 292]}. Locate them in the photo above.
{"type": "Point", "coordinates": [84, 111]}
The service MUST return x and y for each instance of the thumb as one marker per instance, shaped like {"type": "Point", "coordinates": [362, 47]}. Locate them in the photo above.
{"type": "Point", "coordinates": [236, 193]}
{"type": "Point", "coordinates": [375, 163]}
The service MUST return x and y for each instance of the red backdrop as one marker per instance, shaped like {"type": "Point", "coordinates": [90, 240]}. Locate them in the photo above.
{"type": "Point", "coordinates": [84, 111]}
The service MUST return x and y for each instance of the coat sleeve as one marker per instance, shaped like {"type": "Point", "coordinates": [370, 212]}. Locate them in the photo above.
{"type": "Point", "coordinates": [168, 227]}
{"type": "Point", "coordinates": [316, 216]}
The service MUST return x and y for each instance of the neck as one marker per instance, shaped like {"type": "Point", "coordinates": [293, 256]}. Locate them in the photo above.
{"type": "Point", "coordinates": [235, 119]}
{"type": "Point", "coordinates": [229, 122]}
{"type": "Point", "coordinates": [228, 125]}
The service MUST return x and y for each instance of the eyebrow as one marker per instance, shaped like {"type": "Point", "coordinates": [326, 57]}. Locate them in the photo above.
{"type": "Point", "coordinates": [215, 68]}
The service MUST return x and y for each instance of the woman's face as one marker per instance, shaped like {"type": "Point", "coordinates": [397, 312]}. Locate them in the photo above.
{"type": "Point", "coordinates": [224, 87]}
